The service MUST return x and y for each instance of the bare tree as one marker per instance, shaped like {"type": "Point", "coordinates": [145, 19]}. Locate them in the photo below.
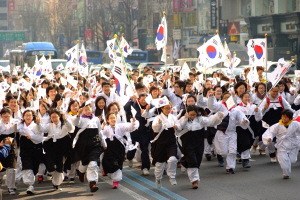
{"type": "Point", "coordinates": [102, 22]}
{"type": "Point", "coordinates": [33, 17]}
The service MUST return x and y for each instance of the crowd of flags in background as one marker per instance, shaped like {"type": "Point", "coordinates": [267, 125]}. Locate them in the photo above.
{"type": "Point", "coordinates": [211, 53]}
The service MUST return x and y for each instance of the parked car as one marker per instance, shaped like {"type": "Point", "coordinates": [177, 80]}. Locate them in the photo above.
{"type": "Point", "coordinates": [5, 65]}
{"type": "Point", "coordinates": [159, 66]}
{"type": "Point", "coordinates": [56, 62]}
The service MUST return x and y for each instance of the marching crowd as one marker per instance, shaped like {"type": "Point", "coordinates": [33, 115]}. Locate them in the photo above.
{"type": "Point", "coordinates": [169, 121]}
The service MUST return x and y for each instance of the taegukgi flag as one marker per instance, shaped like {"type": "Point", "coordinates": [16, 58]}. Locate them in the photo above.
{"type": "Point", "coordinates": [162, 33]}
{"type": "Point", "coordinates": [212, 52]}
{"type": "Point", "coordinates": [257, 52]}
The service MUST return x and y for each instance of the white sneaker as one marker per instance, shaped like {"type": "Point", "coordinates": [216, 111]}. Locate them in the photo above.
{"type": "Point", "coordinates": [273, 160]}
{"type": "Point", "coordinates": [30, 190]}
{"type": "Point", "coordinates": [158, 183]}
{"type": "Point", "coordinates": [11, 191]}
{"type": "Point", "coordinates": [145, 172]}
{"type": "Point", "coordinates": [182, 169]}
{"type": "Point", "coordinates": [173, 181]}
{"type": "Point", "coordinates": [130, 163]}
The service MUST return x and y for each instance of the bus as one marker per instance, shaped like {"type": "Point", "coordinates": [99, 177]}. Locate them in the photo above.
{"type": "Point", "coordinates": [137, 56]}
{"type": "Point", "coordinates": [94, 57]}
{"type": "Point", "coordinates": [28, 51]}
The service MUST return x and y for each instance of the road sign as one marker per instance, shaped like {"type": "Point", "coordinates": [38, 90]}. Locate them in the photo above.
{"type": "Point", "coordinates": [12, 36]}
{"type": "Point", "coordinates": [177, 34]}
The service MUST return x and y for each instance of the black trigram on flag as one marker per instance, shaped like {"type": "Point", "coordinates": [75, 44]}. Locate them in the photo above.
{"type": "Point", "coordinates": [111, 45]}
{"type": "Point", "coordinates": [215, 42]}
{"type": "Point", "coordinates": [74, 61]}
{"type": "Point", "coordinates": [84, 65]}
{"type": "Point", "coordinates": [118, 70]}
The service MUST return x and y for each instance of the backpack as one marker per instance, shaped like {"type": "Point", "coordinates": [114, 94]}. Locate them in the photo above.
{"type": "Point", "coordinates": [279, 101]}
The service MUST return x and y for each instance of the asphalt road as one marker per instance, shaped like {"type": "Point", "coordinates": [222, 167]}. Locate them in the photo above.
{"type": "Point", "coordinates": [262, 181]}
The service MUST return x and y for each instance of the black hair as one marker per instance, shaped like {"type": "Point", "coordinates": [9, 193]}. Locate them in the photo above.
{"type": "Point", "coordinates": [50, 87]}
{"type": "Point", "coordinates": [287, 113]}
{"type": "Point", "coordinates": [5, 110]}
{"type": "Point", "coordinates": [286, 89]}
{"type": "Point", "coordinates": [258, 84]}
{"type": "Point", "coordinates": [181, 84]}
{"type": "Point", "coordinates": [206, 91]}
{"type": "Point", "coordinates": [200, 111]}
{"type": "Point", "coordinates": [107, 116]}
{"type": "Point", "coordinates": [57, 98]}
{"type": "Point", "coordinates": [46, 105]}
{"type": "Point", "coordinates": [46, 81]}
{"type": "Point", "coordinates": [143, 94]}
{"type": "Point", "coordinates": [140, 79]}
{"type": "Point", "coordinates": [242, 95]}
{"type": "Point", "coordinates": [139, 86]}
{"type": "Point", "coordinates": [98, 111]}
{"type": "Point", "coordinates": [71, 103]}
{"type": "Point", "coordinates": [238, 85]}
{"type": "Point", "coordinates": [62, 87]}
{"type": "Point", "coordinates": [9, 97]}
{"type": "Point", "coordinates": [105, 83]}
{"type": "Point", "coordinates": [33, 114]}
{"type": "Point", "coordinates": [56, 111]}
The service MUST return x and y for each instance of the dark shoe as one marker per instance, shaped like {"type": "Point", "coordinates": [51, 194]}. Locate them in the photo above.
{"type": "Point", "coordinates": [220, 160]}
{"type": "Point", "coordinates": [246, 163]}
{"type": "Point", "coordinates": [40, 179]}
{"type": "Point", "coordinates": [81, 176]}
{"type": "Point", "coordinates": [221, 163]}
{"type": "Point", "coordinates": [286, 177]}
{"type": "Point", "coordinates": [230, 171]}
{"type": "Point", "coordinates": [66, 178]}
{"type": "Point", "coordinates": [208, 157]}
{"type": "Point", "coordinates": [57, 188]}
{"type": "Point", "coordinates": [93, 186]}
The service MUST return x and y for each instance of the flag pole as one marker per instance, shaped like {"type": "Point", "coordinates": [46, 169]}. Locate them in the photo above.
{"type": "Point", "coordinates": [77, 54]}
{"type": "Point", "coordinates": [124, 65]}
{"type": "Point", "coordinates": [165, 48]}
{"type": "Point", "coordinates": [204, 40]}
{"type": "Point", "coordinates": [221, 64]}
{"type": "Point", "coordinates": [234, 55]}
{"type": "Point", "coordinates": [266, 61]}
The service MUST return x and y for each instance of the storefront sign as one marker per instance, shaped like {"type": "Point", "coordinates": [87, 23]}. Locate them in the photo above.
{"type": "Point", "coordinates": [213, 14]}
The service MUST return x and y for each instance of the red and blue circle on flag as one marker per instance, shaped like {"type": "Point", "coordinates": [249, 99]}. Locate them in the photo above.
{"type": "Point", "coordinates": [211, 51]}
{"type": "Point", "coordinates": [160, 33]}
{"type": "Point", "coordinates": [259, 52]}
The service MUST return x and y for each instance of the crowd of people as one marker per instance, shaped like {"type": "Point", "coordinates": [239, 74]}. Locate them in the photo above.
{"type": "Point", "coordinates": [168, 122]}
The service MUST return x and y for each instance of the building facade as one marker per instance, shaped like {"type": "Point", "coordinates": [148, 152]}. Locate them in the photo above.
{"type": "Point", "coordinates": [280, 20]}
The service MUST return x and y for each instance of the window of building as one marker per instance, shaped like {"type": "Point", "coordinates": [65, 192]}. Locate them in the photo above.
{"type": "Point", "coordinates": [177, 20]}
{"type": "Point", "coordinates": [3, 4]}
{"type": "Point", "coordinates": [3, 16]}
{"type": "Point", "coordinates": [3, 27]}
{"type": "Point", "coordinates": [291, 5]}
{"type": "Point", "coordinates": [190, 19]}
{"type": "Point", "coordinates": [246, 8]}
